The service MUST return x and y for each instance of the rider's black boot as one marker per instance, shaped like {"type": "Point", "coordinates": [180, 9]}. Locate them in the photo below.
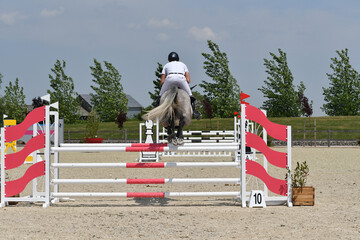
{"type": "Point", "coordinates": [196, 114]}
{"type": "Point", "coordinates": [157, 103]}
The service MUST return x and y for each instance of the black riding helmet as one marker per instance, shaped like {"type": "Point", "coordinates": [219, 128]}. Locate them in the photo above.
{"type": "Point", "coordinates": [173, 56]}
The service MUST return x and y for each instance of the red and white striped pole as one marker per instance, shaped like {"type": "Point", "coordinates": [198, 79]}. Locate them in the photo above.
{"type": "Point", "coordinates": [147, 181]}
{"type": "Point", "coordinates": [148, 147]}
{"type": "Point", "coordinates": [146, 165]}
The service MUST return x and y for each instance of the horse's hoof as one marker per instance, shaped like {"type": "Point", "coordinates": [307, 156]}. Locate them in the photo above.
{"type": "Point", "coordinates": [174, 141]}
{"type": "Point", "coordinates": [171, 138]}
{"type": "Point", "coordinates": [180, 141]}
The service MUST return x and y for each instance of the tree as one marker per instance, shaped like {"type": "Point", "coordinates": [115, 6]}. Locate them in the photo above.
{"type": "Point", "coordinates": [208, 109]}
{"type": "Point", "coordinates": [14, 101]}
{"type": "Point", "coordinates": [282, 97]}
{"type": "Point", "coordinates": [120, 119]}
{"type": "Point", "coordinates": [305, 106]}
{"type": "Point", "coordinates": [64, 93]}
{"type": "Point", "coordinates": [157, 85]}
{"type": "Point", "coordinates": [109, 99]}
{"type": "Point", "coordinates": [343, 95]}
{"type": "Point", "coordinates": [224, 92]}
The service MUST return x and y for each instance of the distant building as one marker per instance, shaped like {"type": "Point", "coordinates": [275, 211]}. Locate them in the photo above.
{"type": "Point", "coordinates": [134, 107]}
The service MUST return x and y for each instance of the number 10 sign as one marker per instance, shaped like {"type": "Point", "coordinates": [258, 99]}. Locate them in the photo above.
{"type": "Point", "coordinates": [257, 199]}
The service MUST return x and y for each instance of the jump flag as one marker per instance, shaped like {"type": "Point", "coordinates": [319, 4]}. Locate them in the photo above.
{"type": "Point", "coordinates": [242, 97]}
{"type": "Point", "coordinates": [46, 98]}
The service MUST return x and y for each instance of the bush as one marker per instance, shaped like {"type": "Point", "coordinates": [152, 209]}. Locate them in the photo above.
{"type": "Point", "coordinates": [92, 125]}
{"type": "Point", "coordinates": [120, 119]}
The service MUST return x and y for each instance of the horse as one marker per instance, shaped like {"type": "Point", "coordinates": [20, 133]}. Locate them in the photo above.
{"type": "Point", "coordinates": [174, 111]}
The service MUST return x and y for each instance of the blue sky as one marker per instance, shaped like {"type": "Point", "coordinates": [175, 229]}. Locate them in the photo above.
{"type": "Point", "coordinates": [136, 34]}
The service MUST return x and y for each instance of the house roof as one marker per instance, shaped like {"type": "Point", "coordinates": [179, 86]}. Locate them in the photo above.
{"type": "Point", "coordinates": [132, 103]}
{"type": "Point", "coordinates": [86, 97]}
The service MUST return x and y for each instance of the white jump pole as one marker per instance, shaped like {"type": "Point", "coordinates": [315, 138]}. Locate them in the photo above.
{"type": "Point", "coordinates": [265, 162]}
{"type": "Point", "coordinates": [47, 156]}
{"type": "Point", "coordinates": [56, 154]}
{"type": "Point", "coordinates": [2, 186]}
{"type": "Point", "coordinates": [243, 155]}
{"type": "Point", "coordinates": [160, 194]}
{"type": "Point", "coordinates": [289, 157]}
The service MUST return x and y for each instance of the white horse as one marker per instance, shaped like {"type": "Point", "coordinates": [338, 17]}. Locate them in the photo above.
{"type": "Point", "coordinates": [174, 111]}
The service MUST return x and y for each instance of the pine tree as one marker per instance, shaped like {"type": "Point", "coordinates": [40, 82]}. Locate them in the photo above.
{"type": "Point", "coordinates": [282, 96]}
{"type": "Point", "coordinates": [343, 95]}
{"type": "Point", "coordinates": [109, 99]}
{"type": "Point", "coordinates": [64, 93]}
{"type": "Point", "coordinates": [157, 85]}
{"type": "Point", "coordinates": [223, 92]}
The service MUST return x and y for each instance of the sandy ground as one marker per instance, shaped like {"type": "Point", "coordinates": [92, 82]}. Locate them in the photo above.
{"type": "Point", "coordinates": [334, 172]}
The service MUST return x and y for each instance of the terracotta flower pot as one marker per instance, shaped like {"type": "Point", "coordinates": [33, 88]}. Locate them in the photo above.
{"type": "Point", "coordinates": [303, 196]}
{"type": "Point", "coordinates": [94, 140]}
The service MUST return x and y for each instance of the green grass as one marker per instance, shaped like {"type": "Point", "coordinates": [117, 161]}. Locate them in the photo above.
{"type": "Point", "coordinates": [110, 130]}
{"type": "Point", "coordinates": [340, 125]}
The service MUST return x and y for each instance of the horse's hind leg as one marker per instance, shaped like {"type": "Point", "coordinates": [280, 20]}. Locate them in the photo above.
{"type": "Point", "coordinates": [179, 134]}
{"type": "Point", "coordinates": [171, 133]}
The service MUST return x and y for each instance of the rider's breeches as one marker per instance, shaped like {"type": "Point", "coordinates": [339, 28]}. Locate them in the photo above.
{"type": "Point", "coordinates": [175, 80]}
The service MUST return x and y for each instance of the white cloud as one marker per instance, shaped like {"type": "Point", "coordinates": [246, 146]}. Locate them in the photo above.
{"type": "Point", "coordinates": [165, 23]}
{"type": "Point", "coordinates": [10, 18]}
{"type": "Point", "coordinates": [163, 37]}
{"type": "Point", "coordinates": [52, 13]}
{"type": "Point", "coordinates": [201, 34]}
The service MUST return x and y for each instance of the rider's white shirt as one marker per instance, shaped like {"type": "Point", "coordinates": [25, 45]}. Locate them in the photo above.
{"type": "Point", "coordinates": [177, 79]}
{"type": "Point", "coordinates": [174, 67]}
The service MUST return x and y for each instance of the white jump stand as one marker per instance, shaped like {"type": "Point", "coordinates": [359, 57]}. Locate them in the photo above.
{"type": "Point", "coordinates": [148, 156]}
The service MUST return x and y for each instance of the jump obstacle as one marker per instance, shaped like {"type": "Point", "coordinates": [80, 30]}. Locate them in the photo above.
{"type": "Point", "coordinates": [215, 136]}
{"type": "Point", "coordinates": [52, 193]}
{"type": "Point", "coordinates": [31, 132]}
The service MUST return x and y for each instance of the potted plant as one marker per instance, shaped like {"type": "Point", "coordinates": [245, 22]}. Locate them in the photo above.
{"type": "Point", "coordinates": [92, 128]}
{"type": "Point", "coordinates": [301, 195]}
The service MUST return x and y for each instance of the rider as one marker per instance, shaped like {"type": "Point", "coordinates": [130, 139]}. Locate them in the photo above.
{"type": "Point", "coordinates": [176, 73]}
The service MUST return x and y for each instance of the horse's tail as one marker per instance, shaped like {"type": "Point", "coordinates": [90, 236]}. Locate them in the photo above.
{"type": "Point", "coordinates": [164, 112]}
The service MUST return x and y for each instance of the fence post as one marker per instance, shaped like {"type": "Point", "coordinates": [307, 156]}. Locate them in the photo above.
{"type": "Point", "coordinates": [315, 131]}
{"type": "Point", "coordinates": [328, 137]}
{"type": "Point", "coordinates": [125, 134]}
{"type": "Point", "coordinates": [68, 135]}
{"type": "Point", "coordinates": [304, 132]}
